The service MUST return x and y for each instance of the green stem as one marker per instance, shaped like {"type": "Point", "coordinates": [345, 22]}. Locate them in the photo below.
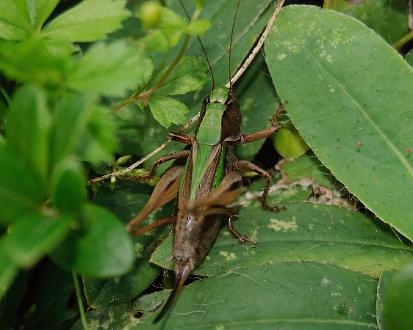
{"type": "Point", "coordinates": [80, 301]}
{"type": "Point", "coordinates": [404, 40]}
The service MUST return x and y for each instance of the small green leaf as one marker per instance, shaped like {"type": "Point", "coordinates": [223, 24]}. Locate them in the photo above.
{"type": "Point", "coordinates": [198, 27]}
{"type": "Point", "coordinates": [68, 191]}
{"type": "Point", "coordinates": [88, 21]}
{"type": "Point", "coordinates": [14, 20]}
{"type": "Point", "coordinates": [99, 247]}
{"type": "Point", "coordinates": [42, 10]}
{"type": "Point", "coordinates": [28, 128]}
{"type": "Point", "coordinates": [189, 75]}
{"type": "Point", "coordinates": [7, 273]}
{"type": "Point", "coordinates": [289, 143]}
{"type": "Point", "coordinates": [167, 111]}
{"type": "Point", "coordinates": [398, 300]}
{"type": "Point", "coordinates": [33, 236]}
{"type": "Point", "coordinates": [149, 13]}
{"type": "Point", "coordinates": [111, 69]}
{"type": "Point", "coordinates": [20, 189]}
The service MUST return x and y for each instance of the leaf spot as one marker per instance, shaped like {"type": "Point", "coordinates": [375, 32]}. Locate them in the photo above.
{"type": "Point", "coordinates": [280, 225]}
{"type": "Point", "coordinates": [228, 255]}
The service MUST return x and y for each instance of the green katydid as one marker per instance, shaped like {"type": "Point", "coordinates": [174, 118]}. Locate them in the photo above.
{"type": "Point", "coordinates": [207, 184]}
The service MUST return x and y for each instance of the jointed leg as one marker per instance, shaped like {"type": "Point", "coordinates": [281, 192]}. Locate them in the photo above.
{"type": "Point", "coordinates": [237, 234]}
{"type": "Point", "coordinates": [275, 126]}
{"type": "Point", "coordinates": [159, 161]}
{"type": "Point", "coordinates": [246, 165]}
{"type": "Point", "coordinates": [153, 225]}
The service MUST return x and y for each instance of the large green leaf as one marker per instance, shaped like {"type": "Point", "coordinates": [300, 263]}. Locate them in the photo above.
{"type": "Point", "coordinates": [20, 189]}
{"type": "Point", "coordinates": [303, 232]}
{"type": "Point", "coordinates": [28, 128]}
{"type": "Point", "coordinates": [33, 236]}
{"type": "Point", "coordinates": [99, 247]}
{"type": "Point", "coordinates": [88, 21]}
{"type": "Point", "coordinates": [387, 17]}
{"type": "Point", "coordinates": [8, 272]}
{"type": "Point", "coordinates": [349, 94]}
{"type": "Point", "coordinates": [110, 69]}
{"type": "Point", "coordinates": [287, 296]}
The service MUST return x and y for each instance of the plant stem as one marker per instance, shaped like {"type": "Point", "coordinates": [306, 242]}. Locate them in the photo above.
{"type": "Point", "coordinates": [80, 301]}
{"type": "Point", "coordinates": [404, 40]}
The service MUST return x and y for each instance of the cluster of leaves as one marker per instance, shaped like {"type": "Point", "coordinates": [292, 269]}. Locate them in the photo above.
{"type": "Point", "coordinates": [347, 92]}
{"type": "Point", "coordinates": [56, 121]}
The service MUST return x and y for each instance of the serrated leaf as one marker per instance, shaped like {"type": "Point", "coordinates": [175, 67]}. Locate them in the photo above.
{"type": "Point", "coordinates": [88, 21]}
{"type": "Point", "coordinates": [304, 232]}
{"type": "Point", "coordinates": [33, 236]}
{"type": "Point", "coordinates": [14, 20]}
{"type": "Point", "coordinates": [188, 76]}
{"type": "Point", "coordinates": [47, 67]}
{"type": "Point", "coordinates": [293, 296]}
{"type": "Point", "coordinates": [16, 198]}
{"type": "Point", "coordinates": [356, 121]}
{"type": "Point", "coordinates": [68, 186]}
{"type": "Point", "coordinates": [167, 110]}
{"type": "Point", "coordinates": [111, 69]}
{"type": "Point", "coordinates": [387, 17]}
{"type": "Point", "coordinates": [100, 247]}
{"type": "Point", "coordinates": [28, 128]}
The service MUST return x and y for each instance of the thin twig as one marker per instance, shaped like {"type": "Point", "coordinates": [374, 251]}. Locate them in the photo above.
{"type": "Point", "coordinates": [257, 47]}
{"type": "Point", "coordinates": [131, 167]}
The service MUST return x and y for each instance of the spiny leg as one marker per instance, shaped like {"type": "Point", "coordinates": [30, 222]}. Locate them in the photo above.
{"type": "Point", "coordinates": [161, 160]}
{"type": "Point", "coordinates": [165, 191]}
{"type": "Point", "coordinates": [240, 237]}
{"type": "Point", "coordinates": [275, 126]}
{"type": "Point", "coordinates": [153, 225]}
{"type": "Point", "coordinates": [246, 165]}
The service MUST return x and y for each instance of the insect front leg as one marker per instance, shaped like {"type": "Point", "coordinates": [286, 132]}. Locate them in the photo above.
{"type": "Point", "coordinates": [275, 126]}
{"type": "Point", "coordinates": [240, 237]}
{"type": "Point", "coordinates": [161, 160]}
{"type": "Point", "coordinates": [153, 225]}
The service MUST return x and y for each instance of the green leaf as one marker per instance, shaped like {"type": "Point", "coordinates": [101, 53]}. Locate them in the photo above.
{"type": "Point", "coordinates": [28, 128]}
{"type": "Point", "coordinates": [198, 27]}
{"type": "Point", "coordinates": [47, 67]}
{"type": "Point", "coordinates": [42, 10]}
{"type": "Point", "coordinates": [126, 200]}
{"type": "Point", "coordinates": [111, 69]}
{"type": "Point", "coordinates": [398, 300]}
{"type": "Point", "coordinates": [14, 20]}
{"type": "Point", "coordinates": [8, 272]}
{"type": "Point", "coordinates": [188, 76]}
{"type": "Point", "coordinates": [69, 186]}
{"type": "Point", "coordinates": [100, 246]}
{"type": "Point", "coordinates": [409, 58]}
{"type": "Point", "coordinates": [349, 124]}
{"type": "Point", "coordinates": [307, 166]}
{"type": "Point", "coordinates": [384, 280]}
{"type": "Point", "coordinates": [304, 232]}
{"type": "Point", "coordinates": [88, 21]}
{"type": "Point", "coordinates": [17, 198]}
{"type": "Point", "coordinates": [33, 236]}
{"type": "Point", "coordinates": [292, 296]}
{"type": "Point", "coordinates": [387, 17]}
{"type": "Point", "coordinates": [167, 111]}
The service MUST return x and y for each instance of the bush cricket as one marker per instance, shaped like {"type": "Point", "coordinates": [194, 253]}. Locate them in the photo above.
{"type": "Point", "coordinates": [209, 182]}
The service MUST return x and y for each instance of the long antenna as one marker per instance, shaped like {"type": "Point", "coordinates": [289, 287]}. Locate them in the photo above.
{"type": "Point", "coordinates": [202, 47]}
{"type": "Point", "coordinates": [230, 46]}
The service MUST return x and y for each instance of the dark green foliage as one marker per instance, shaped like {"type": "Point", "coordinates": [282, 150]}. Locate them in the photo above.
{"type": "Point", "coordinates": [87, 87]}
